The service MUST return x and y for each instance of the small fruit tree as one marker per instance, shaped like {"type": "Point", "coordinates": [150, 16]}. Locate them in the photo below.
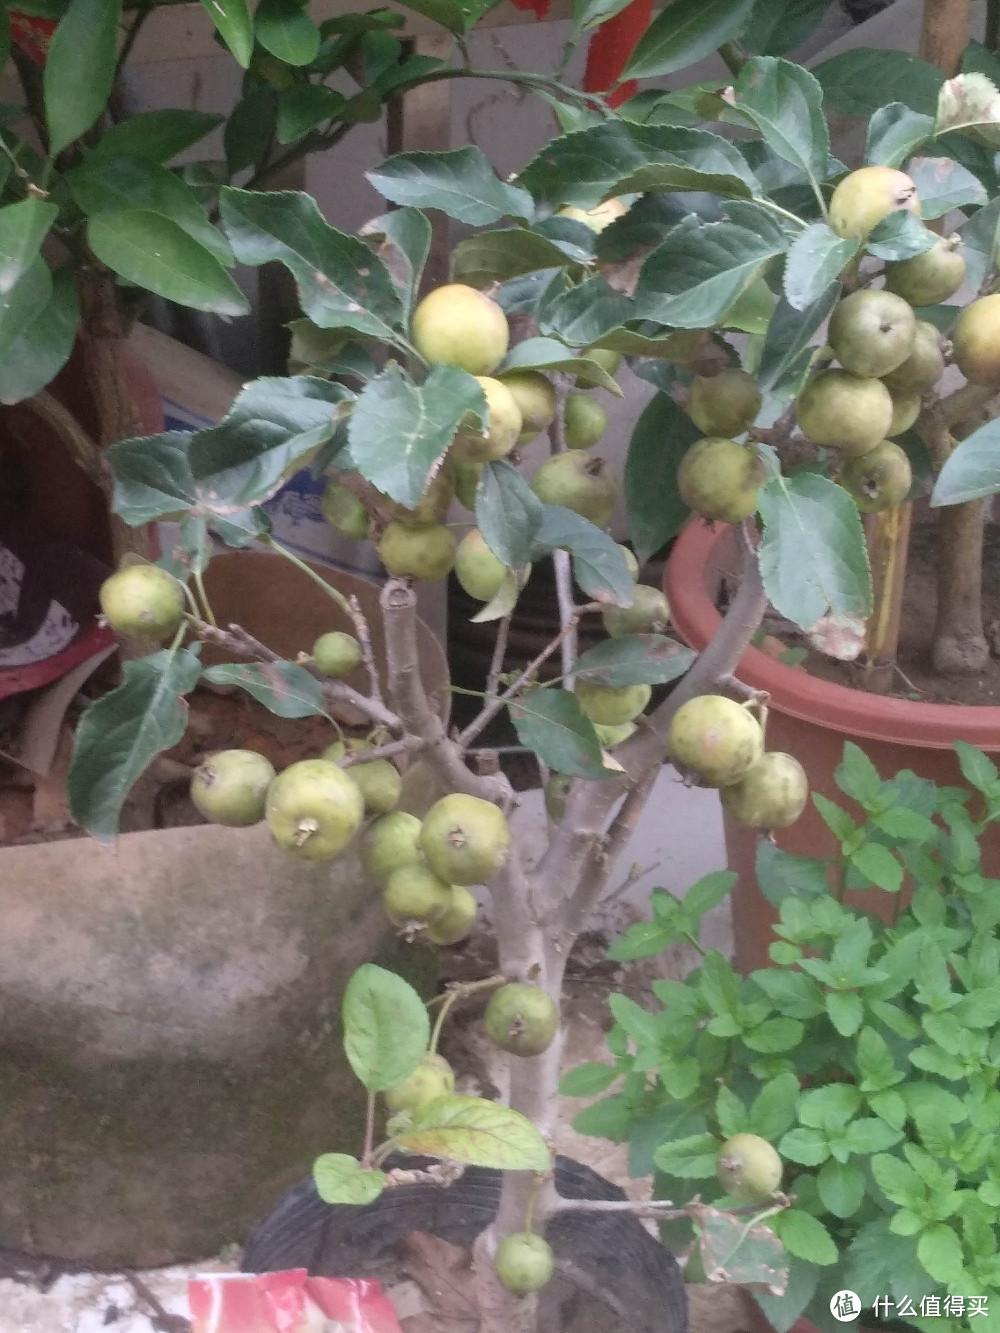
{"type": "Point", "coordinates": [716, 273]}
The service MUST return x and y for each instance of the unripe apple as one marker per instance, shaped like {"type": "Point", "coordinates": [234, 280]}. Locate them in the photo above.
{"type": "Point", "coordinates": [143, 602]}
{"type": "Point", "coordinates": [465, 839]}
{"type": "Point", "coordinates": [390, 842]}
{"type": "Point", "coordinates": [524, 1262]}
{"type": "Point", "coordinates": [466, 472]}
{"type": "Point", "coordinates": [719, 479]}
{"type": "Point", "coordinates": [503, 428]}
{"type": "Point", "coordinates": [336, 653]}
{"type": "Point", "coordinates": [432, 1078]}
{"type": "Point", "coordinates": [313, 809]}
{"type": "Point", "coordinates": [879, 479]}
{"type": "Point", "coordinates": [459, 326]}
{"type": "Point", "coordinates": [609, 737]}
{"type": "Point", "coordinates": [425, 552]}
{"type": "Point", "coordinates": [871, 333]}
{"type": "Point", "coordinates": [724, 404]}
{"type": "Point", "coordinates": [866, 196]}
{"type": "Point", "coordinates": [923, 367]}
{"type": "Point", "coordinates": [845, 411]}
{"type": "Point", "coordinates": [905, 410]}
{"type": "Point", "coordinates": [432, 506]}
{"type": "Point", "coordinates": [556, 790]}
{"type": "Point", "coordinates": [748, 1168]}
{"type": "Point", "coordinates": [522, 1019]}
{"type": "Point", "coordinates": [535, 399]}
{"type": "Point", "coordinates": [648, 614]}
{"type": "Point", "coordinates": [344, 511]}
{"type": "Point", "coordinates": [610, 706]}
{"type": "Point", "coordinates": [976, 341]}
{"type": "Point", "coordinates": [230, 787]}
{"type": "Point", "coordinates": [585, 420]}
{"type": "Point", "coordinates": [608, 360]}
{"type": "Point", "coordinates": [414, 894]}
{"type": "Point", "coordinates": [771, 795]}
{"type": "Point", "coordinates": [579, 482]}
{"type": "Point", "coordinates": [457, 920]}
{"type": "Point", "coordinates": [630, 560]}
{"type": "Point", "coordinates": [477, 569]}
{"type": "Point", "coordinates": [595, 218]}
{"type": "Point", "coordinates": [931, 277]}
{"type": "Point", "coordinates": [716, 739]}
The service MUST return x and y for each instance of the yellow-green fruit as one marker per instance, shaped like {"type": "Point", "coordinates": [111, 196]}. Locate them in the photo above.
{"type": "Point", "coordinates": [458, 919]}
{"type": "Point", "coordinates": [230, 787]}
{"type": "Point", "coordinates": [380, 784]}
{"type": "Point", "coordinates": [556, 791]}
{"type": "Point", "coordinates": [477, 569]}
{"type": "Point", "coordinates": [609, 737]}
{"type": "Point", "coordinates": [720, 479]}
{"type": "Point", "coordinates": [608, 360]}
{"type": "Point", "coordinates": [845, 411]}
{"type": "Point", "coordinates": [522, 1020]}
{"type": "Point", "coordinates": [630, 560]}
{"type": "Point", "coordinates": [415, 893]}
{"type": "Point", "coordinates": [502, 430]}
{"type": "Point", "coordinates": [879, 479]}
{"type": "Point", "coordinates": [466, 840]}
{"type": "Point", "coordinates": [458, 326]}
{"type": "Point", "coordinates": [423, 552]}
{"type": "Point", "coordinates": [595, 218]}
{"type": "Point", "coordinates": [609, 706]}
{"type": "Point", "coordinates": [314, 809]}
{"type": "Point", "coordinates": [344, 511]}
{"type": "Point", "coordinates": [585, 419]}
{"type": "Point", "coordinates": [923, 367]}
{"type": "Point", "coordinates": [748, 1168]}
{"type": "Point", "coordinates": [866, 196]}
{"type": "Point", "coordinates": [905, 410]}
{"type": "Point", "coordinates": [432, 1078]}
{"type": "Point", "coordinates": [432, 505]}
{"type": "Point", "coordinates": [390, 842]}
{"type": "Point", "coordinates": [524, 1262]}
{"type": "Point", "coordinates": [143, 602]}
{"type": "Point", "coordinates": [929, 278]}
{"type": "Point", "coordinates": [724, 404]}
{"type": "Point", "coordinates": [336, 653]}
{"type": "Point", "coordinates": [467, 473]}
{"type": "Point", "coordinates": [976, 341]}
{"type": "Point", "coordinates": [716, 739]}
{"type": "Point", "coordinates": [871, 333]}
{"type": "Point", "coordinates": [648, 614]}
{"type": "Point", "coordinates": [772, 795]}
{"type": "Point", "coordinates": [579, 482]}
{"type": "Point", "coordinates": [535, 399]}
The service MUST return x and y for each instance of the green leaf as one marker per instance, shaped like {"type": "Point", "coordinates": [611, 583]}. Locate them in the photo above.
{"type": "Point", "coordinates": [829, 1107]}
{"type": "Point", "coordinates": [858, 82]}
{"type": "Point", "coordinates": [477, 1132]}
{"type": "Point", "coordinates": [737, 1251]}
{"type": "Point", "coordinates": [841, 1187]}
{"type": "Point", "coordinates": [972, 470]}
{"type": "Point", "coordinates": [341, 283]}
{"type": "Point", "coordinates": [870, 1135]}
{"type": "Point", "coordinates": [846, 1011]}
{"type": "Point", "coordinates": [644, 939]}
{"type": "Point", "coordinates": [285, 689]}
{"type": "Point", "coordinates": [635, 659]}
{"type": "Point", "coordinates": [695, 276]}
{"type": "Point", "coordinates": [878, 865]}
{"type": "Point", "coordinates": [890, 1107]}
{"type": "Point", "coordinates": [807, 1146]}
{"type": "Point", "coordinates": [790, 333]}
{"type": "Point", "coordinates": [943, 184]}
{"type": "Point", "coordinates": [460, 183]}
{"type": "Point", "coordinates": [774, 1035]}
{"type": "Point", "coordinates": [814, 261]}
{"type": "Point", "coordinates": [399, 430]}
{"type": "Point", "coordinates": [120, 735]}
{"type": "Point", "coordinates": [977, 768]}
{"type": "Point", "coordinates": [772, 1112]}
{"type": "Point", "coordinates": [158, 256]}
{"type": "Point", "coordinates": [898, 236]}
{"type": "Point", "coordinates": [23, 228]}
{"type": "Point", "coordinates": [587, 1080]}
{"type": "Point", "coordinates": [342, 1179]}
{"type": "Point", "coordinates": [654, 509]}
{"type": "Point", "coordinates": [792, 992]}
{"type": "Point", "coordinates": [508, 513]}
{"type": "Point", "coordinates": [812, 553]}
{"type": "Point", "coordinates": [592, 13]}
{"type": "Point", "coordinates": [607, 1119]}
{"type": "Point", "coordinates": [784, 102]}
{"type": "Point", "coordinates": [548, 354]}
{"type": "Point", "coordinates": [598, 563]}
{"type": "Point", "coordinates": [496, 256]}
{"type": "Point", "coordinates": [875, 1063]}
{"type": "Point", "coordinates": [805, 1236]}
{"type": "Point", "coordinates": [304, 106]}
{"type": "Point", "coordinates": [940, 1251]}
{"type": "Point", "coordinates": [707, 892]}
{"type": "Point", "coordinates": [551, 725]}
{"type": "Point", "coordinates": [37, 354]}
{"type": "Point", "coordinates": [284, 28]}
{"type": "Point", "coordinates": [80, 69]}
{"type": "Point", "coordinates": [583, 314]}
{"type": "Point", "coordinates": [402, 241]}
{"type": "Point", "coordinates": [689, 1158]}
{"type": "Point", "coordinates": [386, 1027]}
{"type": "Point", "coordinates": [897, 1181]}
{"type": "Point", "coordinates": [729, 1112]}
{"type": "Point", "coordinates": [857, 777]}
{"type": "Point", "coordinates": [684, 33]}
{"type": "Point", "coordinates": [250, 126]}
{"type": "Point", "coordinates": [156, 136]}
{"type": "Point", "coordinates": [779, 26]}
{"type": "Point", "coordinates": [232, 19]}
{"type": "Point", "coordinates": [643, 1027]}
{"type": "Point", "coordinates": [894, 132]}
{"type": "Point", "coordinates": [979, 242]}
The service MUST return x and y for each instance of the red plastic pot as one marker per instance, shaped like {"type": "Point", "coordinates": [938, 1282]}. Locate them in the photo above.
{"type": "Point", "coordinates": [811, 719]}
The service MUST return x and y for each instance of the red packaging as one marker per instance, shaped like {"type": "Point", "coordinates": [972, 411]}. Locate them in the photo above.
{"type": "Point", "coordinates": [32, 35]}
{"type": "Point", "coordinates": [289, 1302]}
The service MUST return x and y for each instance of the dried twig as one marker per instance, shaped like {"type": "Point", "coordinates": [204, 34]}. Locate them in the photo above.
{"type": "Point", "coordinates": [363, 635]}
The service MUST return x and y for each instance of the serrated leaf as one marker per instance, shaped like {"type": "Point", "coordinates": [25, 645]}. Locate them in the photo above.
{"type": "Point", "coordinates": [972, 470]}
{"type": "Point", "coordinates": [807, 1146]}
{"type": "Point", "coordinates": [402, 241]}
{"type": "Point", "coordinates": [779, 26]}
{"type": "Point", "coordinates": [784, 102]}
{"type": "Point", "coordinates": [734, 1251]}
{"type": "Point", "coordinates": [304, 106]}
{"type": "Point", "coordinates": [285, 689]}
{"type": "Point", "coordinates": [841, 1187]}
{"type": "Point", "coordinates": [845, 1011]}
{"type": "Point", "coordinates": [858, 82]}
{"type": "Point", "coordinates": [654, 509]}
{"type": "Point", "coordinates": [878, 865]}
{"type": "Point", "coordinates": [977, 768]}
{"type": "Point", "coordinates": [943, 184]}
{"type": "Point", "coordinates": [477, 1132]}
{"type": "Point", "coordinates": [940, 1251]}
{"type": "Point", "coordinates": [894, 131]}
{"type": "Point", "coordinates": [643, 939]}
{"type": "Point", "coordinates": [550, 723]}
{"type": "Point", "coordinates": [80, 69]}
{"type": "Point", "coordinates": [897, 1181]}
{"type": "Point", "coordinates": [587, 1080]}
{"type": "Point", "coordinates": [772, 1111]}
{"type": "Point", "coordinates": [501, 254]}
{"type": "Point", "coordinates": [235, 26]}
{"type": "Point", "coordinates": [584, 314]}
{"type": "Point", "coordinates": [643, 1027]}
{"type": "Point", "coordinates": [120, 735]}
{"type": "Point", "coordinates": [399, 430]}
{"type": "Point", "coordinates": [898, 236]}
{"type": "Point", "coordinates": [812, 553]}
{"type": "Point", "coordinates": [829, 1107]}
{"type": "Point", "coordinates": [548, 354]}
{"type": "Point", "coordinates": [460, 183]}
{"type": "Point", "coordinates": [508, 513]}
{"type": "Point", "coordinates": [684, 33]}
{"type": "Point", "coordinates": [791, 332]}
{"type": "Point", "coordinates": [386, 1027]}
{"type": "Point", "coordinates": [635, 659]}
{"type": "Point", "coordinates": [805, 1237]}
{"type": "Point", "coordinates": [815, 260]}
{"type": "Point", "coordinates": [690, 1158]}
{"type": "Point", "coordinates": [342, 1179]}
{"type": "Point", "coordinates": [598, 563]}
{"type": "Point", "coordinates": [979, 242]}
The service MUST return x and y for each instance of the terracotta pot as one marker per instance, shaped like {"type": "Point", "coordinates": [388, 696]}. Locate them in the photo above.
{"type": "Point", "coordinates": [811, 719]}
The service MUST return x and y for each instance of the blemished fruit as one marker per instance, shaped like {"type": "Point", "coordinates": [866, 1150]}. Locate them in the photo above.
{"type": "Point", "coordinates": [844, 410]}
{"type": "Point", "coordinates": [905, 410]}
{"type": "Point", "coordinates": [724, 404]}
{"type": "Point", "coordinates": [535, 399]}
{"type": "Point", "coordinates": [748, 1168]}
{"type": "Point", "coordinates": [390, 842]}
{"type": "Point", "coordinates": [457, 920]}
{"type": "Point", "coordinates": [143, 602]}
{"type": "Point", "coordinates": [612, 736]}
{"type": "Point", "coordinates": [719, 479]}
{"type": "Point", "coordinates": [586, 421]}
{"type": "Point", "coordinates": [595, 218]}
{"type": "Point", "coordinates": [866, 196]}
{"type": "Point", "coordinates": [459, 326]}
{"type": "Point", "coordinates": [630, 560]}
{"type": "Point", "coordinates": [478, 570]}
{"type": "Point", "coordinates": [931, 277]}
{"type": "Point", "coordinates": [524, 1262]}
{"type": "Point", "coordinates": [336, 653]}
{"type": "Point", "coordinates": [230, 787]}
{"type": "Point", "coordinates": [423, 552]}
{"type": "Point", "coordinates": [344, 511]}
{"type": "Point", "coordinates": [432, 1078]}
{"type": "Point", "coordinates": [871, 333]}
{"type": "Point", "coordinates": [976, 341]}
{"type": "Point", "coordinates": [502, 430]}
{"type": "Point", "coordinates": [648, 614]}
{"type": "Point", "coordinates": [467, 473]}
{"type": "Point", "coordinates": [604, 357]}
{"type": "Point", "coordinates": [556, 791]}
{"type": "Point", "coordinates": [579, 482]}
{"type": "Point", "coordinates": [314, 809]}
{"type": "Point", "coordinates": [432, 505]}
{"type": "Point", "coordinates": [715, 738]}
{"type": "Point", "coordinates": [521, 1019]}
{"type": "Point", "coordinates": [609, 706]}
{"type": "Point", "coordinates": [413, 893]}
{"type": "Point", "coordinates": [923, 367]}
{"type": "Point", "coordinates": [772, 795]}
{"type": "Point", "coordinates": [466, 840]}
{"type": "Point", "coordinates": [879, 479]}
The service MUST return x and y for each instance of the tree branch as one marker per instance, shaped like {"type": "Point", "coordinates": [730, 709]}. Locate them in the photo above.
{"type": "Point", "coordinates": [499, 653]}
{"type": "Point", "coordinates": [364, 637]}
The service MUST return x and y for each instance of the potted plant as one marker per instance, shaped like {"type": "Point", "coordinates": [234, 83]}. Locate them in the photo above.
{"type": "Point", "coordinates": [852, 1076]}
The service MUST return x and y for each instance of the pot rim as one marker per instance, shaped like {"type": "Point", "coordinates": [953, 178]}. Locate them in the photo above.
{"type": "Point", "coordinates": [690, 581]}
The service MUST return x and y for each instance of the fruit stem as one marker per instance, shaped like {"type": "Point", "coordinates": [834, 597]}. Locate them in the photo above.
{"type": "Point", "coordinates": [366, 1152]}
{"type": "Point", "coordinates": [206, 606]}
{"type": "Point", "coordinates": [318, 579]}
{"type": "Point", "coordinates": [792, 217]}
{"type": "Point", "coordinates": [455, 993]}
{"type": "Point", "coordinates": [304, 830]}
